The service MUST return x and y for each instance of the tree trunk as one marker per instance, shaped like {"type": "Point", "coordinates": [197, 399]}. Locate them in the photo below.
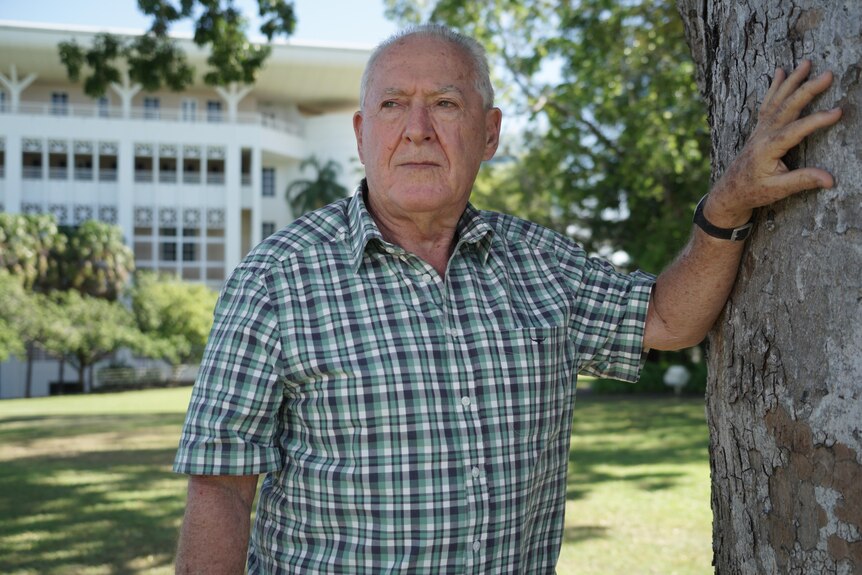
{"type": "Point", "coordinates": [62, 373]}
{"type": "Point", "coordinates": [28, 376]}
{"type": "Point", "coordinates": [784, 400]}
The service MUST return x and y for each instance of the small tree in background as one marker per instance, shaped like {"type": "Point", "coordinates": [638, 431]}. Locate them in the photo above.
{"type": "Point", "coordinates": [178, 313]}
{"type": "Point", "coordinates": [308, 195]}
{"type": "Point", "coordinates": [91, 329]}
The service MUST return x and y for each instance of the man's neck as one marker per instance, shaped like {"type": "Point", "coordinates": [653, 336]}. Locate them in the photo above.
{"type": "Point", "coordinates": [431, 237]}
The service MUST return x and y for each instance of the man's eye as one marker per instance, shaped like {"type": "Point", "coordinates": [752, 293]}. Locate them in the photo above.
{"type": "Point", "coordinates": [446, 104]}
{"type": "Point", "coordinates": [389, 104]}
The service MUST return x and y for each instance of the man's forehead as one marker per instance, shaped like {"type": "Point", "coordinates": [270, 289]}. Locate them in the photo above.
{"type": "Point", "coordinates": [444, 90]}
{"type": "Point", "coordinates": [412, 47]}
{"type": "Point", "coordinates": [398, 69]}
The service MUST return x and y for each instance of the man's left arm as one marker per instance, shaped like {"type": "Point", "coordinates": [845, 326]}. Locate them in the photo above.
{"type": "Point", "coordinates": [689, 295]}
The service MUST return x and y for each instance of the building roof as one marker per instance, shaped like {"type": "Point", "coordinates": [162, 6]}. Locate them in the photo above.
{"type": "Point", "coordinates": [317, 77]}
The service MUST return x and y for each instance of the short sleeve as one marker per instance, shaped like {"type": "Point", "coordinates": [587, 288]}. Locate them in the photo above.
{"type": "Point", "coordinates": [232, 425]}
{"type": "Point", "coordinates": [610, 311]}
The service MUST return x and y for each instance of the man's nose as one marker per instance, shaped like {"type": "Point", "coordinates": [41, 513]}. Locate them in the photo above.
{"type": "Point", "coordinates": [419, 126]}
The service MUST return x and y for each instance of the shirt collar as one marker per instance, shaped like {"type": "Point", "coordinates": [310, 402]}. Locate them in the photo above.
{"type": "Point", "coordinates": [472, 228]}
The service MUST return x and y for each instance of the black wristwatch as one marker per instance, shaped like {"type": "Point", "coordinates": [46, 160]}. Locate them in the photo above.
{"type": "Point", "coordinates": [739, 234]}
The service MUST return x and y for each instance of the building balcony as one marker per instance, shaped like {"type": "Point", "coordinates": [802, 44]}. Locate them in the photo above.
{"type": "Point", "coordinates": [172, 115]}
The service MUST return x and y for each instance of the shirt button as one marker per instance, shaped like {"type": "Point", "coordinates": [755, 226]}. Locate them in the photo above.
{"type": "Point", "coordinates": [476, 473]}
{"type": "Point", "coordinates": [427, 278]}
{"type": "Point", "coordinates": [477, 545]}
{"type": "Point", "coordinates": [465, 401]}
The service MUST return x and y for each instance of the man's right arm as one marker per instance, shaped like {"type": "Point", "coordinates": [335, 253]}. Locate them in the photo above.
{"type": "Point", "coordinates": [215, 531]}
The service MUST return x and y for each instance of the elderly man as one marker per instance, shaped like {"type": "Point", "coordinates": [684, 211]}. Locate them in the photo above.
{"type": "Point", "coordinates": [402, 367]}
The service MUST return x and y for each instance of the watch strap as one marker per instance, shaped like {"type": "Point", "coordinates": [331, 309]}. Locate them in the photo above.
{"type": "Point", "coordinates": [739, 234]}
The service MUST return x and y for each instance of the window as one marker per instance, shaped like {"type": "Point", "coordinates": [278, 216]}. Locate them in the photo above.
{"type": "Point", "coordinates": [268, 183]}
{"type": "Point", "coordinates": [151, 108]}
{"type": "Point", "coordinates": [59, 103]}
{"type": "Point", "coordinates": [189, 110]}
{"type": "Point", "coordinates": [190, 252]}
{"type": "Point", "coordinates": [267, 229]}
{"type": "Point", "coordinates": [213, 111]}
{"type": "Point", "coordinates": [168, 251]}
{"type": "Point", "coordinates": [2, 101]}
{"type": "Point", "coordinates": [103, 107]}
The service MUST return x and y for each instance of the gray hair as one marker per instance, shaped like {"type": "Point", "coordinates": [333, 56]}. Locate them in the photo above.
{"type": "Point", "coordinates": [474, 52]}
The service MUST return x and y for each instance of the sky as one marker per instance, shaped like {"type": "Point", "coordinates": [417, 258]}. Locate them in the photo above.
{"type": "Point", "coordinates": [350, 22]}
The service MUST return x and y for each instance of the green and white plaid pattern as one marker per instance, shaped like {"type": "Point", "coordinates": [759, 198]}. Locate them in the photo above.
{"type": "Point", "coordinates": [407, 423]}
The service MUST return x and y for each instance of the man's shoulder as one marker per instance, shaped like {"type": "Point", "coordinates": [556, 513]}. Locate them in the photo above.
{"type": "Point", "coordinates": [321, 227]}
{"type": "Point", "coordinates": [518, 231]}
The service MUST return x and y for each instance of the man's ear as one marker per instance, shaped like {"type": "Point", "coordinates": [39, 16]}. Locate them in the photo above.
{"type": "Point", "coordinates": [357, 131]}
{"type": "Point", "coordinates": [493, 121]}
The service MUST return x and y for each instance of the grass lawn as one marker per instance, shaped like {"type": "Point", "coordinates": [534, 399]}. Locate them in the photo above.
{"type": "Point", "coordinates": [86, 486]}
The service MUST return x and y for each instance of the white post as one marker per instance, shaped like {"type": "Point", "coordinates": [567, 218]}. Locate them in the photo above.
{"type": "Point", "coordinates": [126, 91]}
{"type": "Point", "coordinates": [256, 210]}
{"type": "Point", "coordinates": [15, 87]}
{"type": "Point", "coordinates": [232, 96]}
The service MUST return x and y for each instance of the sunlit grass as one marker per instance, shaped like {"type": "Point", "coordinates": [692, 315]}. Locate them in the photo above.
{"type": "Point", "coordinates": [638, 495]}
{"type": "Point", "coordinates": [86, 486]}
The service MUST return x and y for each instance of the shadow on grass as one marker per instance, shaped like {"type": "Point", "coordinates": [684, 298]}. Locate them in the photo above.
{"type": "Point", "coordinates": [579, 533]}
{"type": "Point", "coordinates": [636, 440]}
{"type": "Point", "coordinates": [103, 503]}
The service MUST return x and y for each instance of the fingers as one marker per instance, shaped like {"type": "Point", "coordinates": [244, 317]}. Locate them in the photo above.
{"type": "Point", "coordinates": [787, 97]}
{"type": "Point", "coordinates": [794, 133]}
{"type": "Point", "coordinates": [792, 107]}
{"type": "Point", "coordinates": [786, 88]}
{"type": "Point", "coordinates": [766, 105]}
{"type": "Point", "coordinates": [796, 181]}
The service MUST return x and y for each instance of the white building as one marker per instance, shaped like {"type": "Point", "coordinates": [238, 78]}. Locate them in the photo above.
{"type": "Point", "coordinates": [194, 179]}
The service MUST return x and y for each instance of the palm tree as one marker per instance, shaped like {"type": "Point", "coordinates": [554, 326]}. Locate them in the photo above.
{"type": "Point", "coordinates": [307, 195]}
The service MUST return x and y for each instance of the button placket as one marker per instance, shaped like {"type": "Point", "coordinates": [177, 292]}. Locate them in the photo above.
{"type": "Point", "coordinates": [458, 340]}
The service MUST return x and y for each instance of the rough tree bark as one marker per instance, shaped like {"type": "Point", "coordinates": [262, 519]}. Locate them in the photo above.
{"type": "Point", "coordinates": [784, 401]}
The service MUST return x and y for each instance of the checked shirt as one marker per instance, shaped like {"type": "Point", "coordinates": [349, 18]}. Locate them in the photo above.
{"type": "Point", "coordinates": [407, 422]}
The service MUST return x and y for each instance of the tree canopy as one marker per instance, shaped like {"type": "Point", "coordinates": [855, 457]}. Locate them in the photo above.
{"type": "Point", "coordinates": [154, 59]}
{"type": "Point", "coordinates": [176, 312]}
{"type": "Point", "coordinates": [30, 248]}
{"type": "Point", "coordinates": [91, 258]}
{"type": "Point", "coordinates": [11, 296]}
{"type": "Point", "coordinates": [614, 140]}
{"type": "Point", "coordinates": [90, 329]}
{"type": "Point", "coordinates": [97, 262]}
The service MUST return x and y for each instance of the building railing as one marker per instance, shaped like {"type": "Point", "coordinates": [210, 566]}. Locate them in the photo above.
{"type": "Point", "coordinates": [107, 175]}
{"type": "Point", "coordinates": [155, 115]}
{"type": "Point", "coordinates": [58, 173]}
{"type": "Point", "coordinates": [31, 172]}
{"type": "Point", "coordinates": [84, 174]}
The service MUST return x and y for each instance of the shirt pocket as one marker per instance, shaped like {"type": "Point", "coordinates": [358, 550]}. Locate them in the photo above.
{"type": "Point", "coordinates": [526, 379]}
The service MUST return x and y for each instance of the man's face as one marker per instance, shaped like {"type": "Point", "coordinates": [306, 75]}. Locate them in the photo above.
{"type": "Point", "coordinates": [423, 131]}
